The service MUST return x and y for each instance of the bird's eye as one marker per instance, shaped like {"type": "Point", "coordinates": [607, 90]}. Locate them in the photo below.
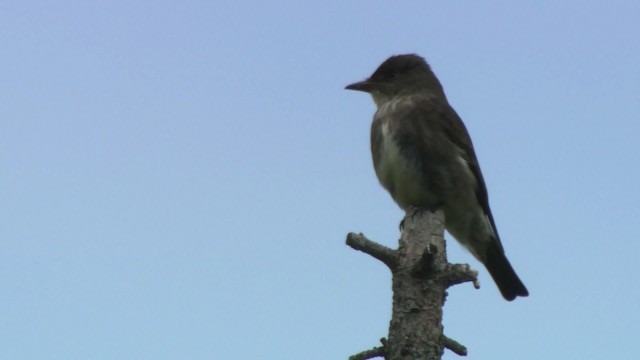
{"type": "Point", "coordinates": [394, 74]}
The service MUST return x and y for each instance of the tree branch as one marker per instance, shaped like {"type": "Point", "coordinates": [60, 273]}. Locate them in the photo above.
{"type": "Point", "coordinates": [373, 353]}
{"type": "Point", "coordinates": [455, 274]}
{"type": "Point", "coordinates": [369, 354]}
{"type": "Point", "coordinates": [454, 346]}
{"type": "Point", "coordinates": [420, 277]}
{"type": "Point", "coordinates": [360, 242]}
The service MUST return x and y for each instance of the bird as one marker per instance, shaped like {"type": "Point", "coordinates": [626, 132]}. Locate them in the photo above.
{"type": "Point", "coordinates": [423, 156]}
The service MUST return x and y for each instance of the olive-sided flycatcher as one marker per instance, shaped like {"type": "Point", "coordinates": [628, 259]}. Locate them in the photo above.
{"type": "Point", "coordinates": [423, 156]}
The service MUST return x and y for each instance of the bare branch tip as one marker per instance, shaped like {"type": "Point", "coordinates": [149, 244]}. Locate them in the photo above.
{"type": "Point", "coordinates": [369, 354]}
{"type": "Point", "coordinates": [360, 242]}
{"type": "Point", "coordinates": [454, 346]}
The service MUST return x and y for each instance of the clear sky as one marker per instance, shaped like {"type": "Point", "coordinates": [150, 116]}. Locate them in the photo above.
{"type": "Point", "coordinates": [178, 178]}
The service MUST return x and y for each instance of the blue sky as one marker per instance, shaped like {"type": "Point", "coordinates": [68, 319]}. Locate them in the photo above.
{"type": "Point", "coordinates": [179, 177]}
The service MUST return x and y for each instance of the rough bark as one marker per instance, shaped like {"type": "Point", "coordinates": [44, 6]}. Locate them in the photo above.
{"type": "Point", "coordinates": [420, 277]}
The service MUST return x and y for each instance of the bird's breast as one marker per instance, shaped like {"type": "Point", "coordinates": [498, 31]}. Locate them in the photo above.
{"type": "Point", "coordinates": [400, 174]}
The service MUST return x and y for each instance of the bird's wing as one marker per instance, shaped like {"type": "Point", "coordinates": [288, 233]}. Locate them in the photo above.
{"type": "Point", "coordinates": [457, 133]}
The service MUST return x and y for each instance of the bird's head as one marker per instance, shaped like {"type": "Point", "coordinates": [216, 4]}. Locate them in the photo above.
{"type": "Point", "coordinates": [399, 75]}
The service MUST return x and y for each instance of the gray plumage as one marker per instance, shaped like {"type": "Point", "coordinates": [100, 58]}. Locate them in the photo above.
{"type": "Point", "coordinates": [424, 157]}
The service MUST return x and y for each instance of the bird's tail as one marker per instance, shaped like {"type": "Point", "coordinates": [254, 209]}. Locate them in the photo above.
{"type": "Point", "coordinates": [503, 274]}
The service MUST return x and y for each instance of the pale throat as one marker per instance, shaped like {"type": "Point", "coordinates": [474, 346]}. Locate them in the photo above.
{"type": "Point", "coordinates": [379, 98]}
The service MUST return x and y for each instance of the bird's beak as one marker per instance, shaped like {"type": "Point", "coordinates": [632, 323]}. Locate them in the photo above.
{"type": "Point", "coordinates": [366, 86]}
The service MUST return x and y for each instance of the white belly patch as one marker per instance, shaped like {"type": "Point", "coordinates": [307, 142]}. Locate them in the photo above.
{"type": "Point", "coordinates": [401, 177]}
